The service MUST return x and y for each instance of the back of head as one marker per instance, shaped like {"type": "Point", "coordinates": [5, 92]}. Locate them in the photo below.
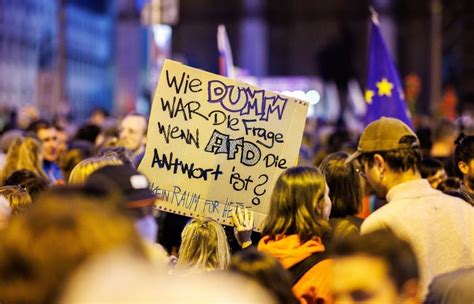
{"type": "Point", "coordinates": [296, 199]}
{"type": "Point", "coordinates": [88, 132]}
{"type": "Point", "coordinates": [267, 271]}
{"type": "Point", "coordinates": [17, 197]}
{"type": "Point", "coordinates": [345, 189]}
{"type": "Point", "coordinates": [85, 168]}
{"type": "Point", "coordinates": [445, 130]}
{"type": "Point", "coordinates": [131, 184]}
{"type": "Point", "coordinates": [429, 166]}
{"type": "Point", "coordinates": [464, 151]}
{"type": "Point", "coordinates": [204, 246]}
{"type": "Point", "coordinates": [30, 156]}
{"type": "Point", "coordinates": [397, 254]}
{"type": "Point", "coordinates": [41, 248]}
{"type": "Point", "coordinates": [37, 125]}
{"type": "Point", "coordinates": [392, 139]}
{"type": "Point", "coordinates": [32, 182]}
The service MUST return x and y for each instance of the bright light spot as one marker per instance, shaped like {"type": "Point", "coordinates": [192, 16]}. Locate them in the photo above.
{"type": "Point", "coordinates": [313, 97]}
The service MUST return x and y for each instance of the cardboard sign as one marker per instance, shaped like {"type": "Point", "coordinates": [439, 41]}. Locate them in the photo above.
{"type": "Point", "coordinates": [215, 144]}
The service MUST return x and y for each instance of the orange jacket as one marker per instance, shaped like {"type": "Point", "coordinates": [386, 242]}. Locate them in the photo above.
{"type": "Point", "coordinates": [314, 285]}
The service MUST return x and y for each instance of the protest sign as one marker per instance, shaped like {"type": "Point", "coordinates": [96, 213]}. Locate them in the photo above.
{"type": "Point", "coordinates": [215, 144]}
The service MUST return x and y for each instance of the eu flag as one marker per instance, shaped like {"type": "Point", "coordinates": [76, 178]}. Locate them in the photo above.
{"type": "Point", "coordinates": [383, 91]}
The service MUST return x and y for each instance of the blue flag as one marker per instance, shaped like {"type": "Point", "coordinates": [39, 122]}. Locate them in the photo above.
{"type": "Point", "coordinates": [383, 90]}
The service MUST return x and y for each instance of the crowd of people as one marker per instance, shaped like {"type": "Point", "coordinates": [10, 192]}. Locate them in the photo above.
{"type": "Point", "coordinates": [384, 217]}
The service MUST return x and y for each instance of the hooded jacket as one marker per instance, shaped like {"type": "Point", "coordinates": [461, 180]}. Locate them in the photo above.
{"type": "Point", "coordinates": [314, 285]}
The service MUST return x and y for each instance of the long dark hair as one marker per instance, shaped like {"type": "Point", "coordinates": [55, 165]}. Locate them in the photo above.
{"type": "Point", "coordinates": [345, 189]}
{"type": "Point", "coordinates": [464, 150]}
{"type": "Point", "coordinates": [296, 198]}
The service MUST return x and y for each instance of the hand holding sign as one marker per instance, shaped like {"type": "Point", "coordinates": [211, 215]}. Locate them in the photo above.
{"type": "Point", "coordinates": [242, 219]}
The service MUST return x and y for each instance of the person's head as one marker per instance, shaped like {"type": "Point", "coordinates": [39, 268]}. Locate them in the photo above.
{"type": "Point", "coordinates": [204, 246]}
{"type": "Point", "coordinates": [133, 186]}
{"type": "Point", "coordinates": [464, 159]}
{"type": "Point", "coordinates": [433, 170]}
{"type": "Point", "coordinates": [41, 248]}
{"type": "Point", "coordinates": [32, 182]}
{"type": "Point", "coordinates": [63, 139]}
{"type": "Point", "coordinates": [344, 182]}
{"type": "Point", "coordinates": [48, 135]}
{"type": "Point", "coordinates": [133, 130]}
{"type": "Point", "coordinates": [17, 197]}
{"type": "Point", "coordinates": [299, 204]}
{"type": "Point", "coordinates": [85, 168]}
{"type": "Point", "coordinates": [25, 153]}
{"type": "Point", "coordinates": [266, 271]}
{"type": "Point", "coordinates": [70, 160]}
{"type": "Point", "coordinates": [98, 116]}
{"type": "Point", "coordinates": [88, 132]}
{"type": "Point", "coordinates": [445, 131]}
{"type": "Point", "coordinates": [389, 154]}
{"type": "Point", "coordinates": [122, 153]}
{"type": "Point", "coordinates": [375, 268]}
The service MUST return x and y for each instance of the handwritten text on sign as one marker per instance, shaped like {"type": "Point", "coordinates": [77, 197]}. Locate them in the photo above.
{"type": "Point", "coordinates": [215, 144]}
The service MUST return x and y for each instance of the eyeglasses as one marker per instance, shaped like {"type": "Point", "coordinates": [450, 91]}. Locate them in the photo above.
{"type": "Point", "coordinates": [361, 172]}
{"type": "Point", "coordinates": [12, 188]}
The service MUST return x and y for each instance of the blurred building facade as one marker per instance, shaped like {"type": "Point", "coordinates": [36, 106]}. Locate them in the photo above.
{"type": "Point", "coordinates": [74, 55]}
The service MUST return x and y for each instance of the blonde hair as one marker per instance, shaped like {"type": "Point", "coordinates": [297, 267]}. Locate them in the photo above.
{"type": "Point", "coordinates": [204, 246]}
{"type": "Point", "coordinates": [24, 153]}
{"type": "Point", "coordinates": [85, 168]}
{"type": "Point", "coordinates": [17, 197]}
{"type": "Point", "coordinates": [52, 240]}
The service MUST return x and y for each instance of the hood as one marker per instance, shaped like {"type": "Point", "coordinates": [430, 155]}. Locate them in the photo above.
{"type": "Point", "coordinates": [288, 249]}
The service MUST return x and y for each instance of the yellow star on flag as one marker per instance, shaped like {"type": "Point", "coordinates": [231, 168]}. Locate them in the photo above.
{"type": "Point", "coordinates": [385, 87]}
{"type": "Point", "coordinates": [368, 96]}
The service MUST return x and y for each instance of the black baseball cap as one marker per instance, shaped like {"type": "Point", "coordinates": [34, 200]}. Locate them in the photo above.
{"type": "Point", "coordinates": [132, 184]}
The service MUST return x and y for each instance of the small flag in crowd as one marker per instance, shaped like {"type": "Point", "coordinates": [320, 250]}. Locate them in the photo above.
{"type": "Point", "coordinates": [226, 64]}
{"type": "Point", "coordinates": [383, 92]}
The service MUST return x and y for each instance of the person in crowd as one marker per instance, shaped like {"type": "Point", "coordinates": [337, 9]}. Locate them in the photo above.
{"type": "Point", "coordinates": [6, 139]}
{"type": "Point", "coordinates": [293, 231]}
{"type": "Point", "coordinates": [464, 159]}
{"type": "Point", "coordinates": [346, 194]}
{"type": "Point", "coordinates": [122, 153]}
{"type": "Point", "coordinates": [48, 135]}
{"type": "Point", "coordinates": [73, 157]}
{"type": "Point", "coordinates": [266, 271]}
{"type": "Point", "coordinates": [452, 287]}
{"type": "Point", "coordinates": [17, 197]}
{"type": "Point", "coordinates": [139, 199]}
{"type": "Point", "coordinates": [390, 157]}
{"type": "Point", "coordinates": [443, 139]}
{"type": "Point", "coordinates": [43, 247]}
{"type": "Point", "coordinates": [133, 129]}
{"type": "Point", "coordinates": [63, 141]}
{"type": "Point", "coordinates": [451, 186]}
{"type": "Point", "coordinates": [85, 168]}
{"type": "Point", "coordinates": [24, 153]}
{"type": "Point", "coordinates": [29, 180]}
{"type": "Point", "coordinates": [377, 267]}
{"type": "Point", "coordinates": [98, 116]}
{"type": "Point", "coordinates": [121, 278]}
{"type": "Point", "coordinates": [444, 135]}
{"type": "Point", "coordinates": [433, 170]}
{"type": "Point", "coordinates": [204, 247]}
{"type": "Point", "coordinates": [87, 133]}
